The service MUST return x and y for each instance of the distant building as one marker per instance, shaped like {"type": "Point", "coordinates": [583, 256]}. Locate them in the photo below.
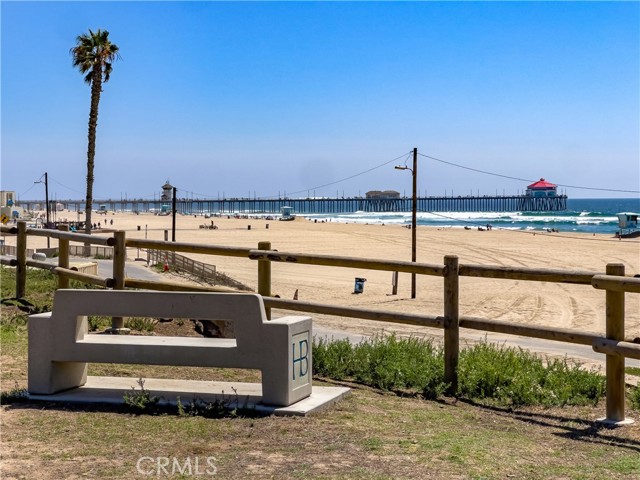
{"type": "Point", "coordinates": [385, 194]}
{"type": "Point", "coordinates": [7, 198]}
{"type": "Point", "coordinates": [542, 188]}
{"type": "Point", "coordinates": [8, 205]}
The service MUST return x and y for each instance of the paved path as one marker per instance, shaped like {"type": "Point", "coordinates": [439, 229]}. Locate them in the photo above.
{"type": "Point", "coordinates": [138, 270]}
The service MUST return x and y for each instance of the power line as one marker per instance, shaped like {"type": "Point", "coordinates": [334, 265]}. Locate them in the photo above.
{"type": "Point", "coordinates": [525, 179]}
{"type": "Point", "coordinates": [404, 155]}
{"type": "Point", "coordinates": [63, 185]}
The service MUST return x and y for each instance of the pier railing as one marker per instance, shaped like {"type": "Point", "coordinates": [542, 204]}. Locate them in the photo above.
{"type": "Point", "coordinates": [612, 342]}
{"type": "Point", "coordinates": [251, 206]}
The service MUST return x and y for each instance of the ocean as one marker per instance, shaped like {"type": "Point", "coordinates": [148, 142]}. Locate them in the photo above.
{"type": "Point", "coordinates": [582, 215]}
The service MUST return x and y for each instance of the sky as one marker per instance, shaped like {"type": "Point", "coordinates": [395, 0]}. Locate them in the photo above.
{"type": "Point", "coordinates": [266, 99]}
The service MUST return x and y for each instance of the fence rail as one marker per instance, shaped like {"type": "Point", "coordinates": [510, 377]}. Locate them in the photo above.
{"type": "Point", "coordinates": [612, 343]}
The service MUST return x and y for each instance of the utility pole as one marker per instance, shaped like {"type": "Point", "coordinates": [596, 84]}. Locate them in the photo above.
{"type": "Point", "coordinates": [414, 220]}
{"type": "Point", "coordinates": [46, 200]}
{"type": "Point", "coordinates": [173, 223]}
{"type": "Point", "coordinates": [414, 209]}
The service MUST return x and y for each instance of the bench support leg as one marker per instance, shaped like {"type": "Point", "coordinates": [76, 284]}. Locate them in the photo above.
{"type": "Point", "coordinates": [44, 375]}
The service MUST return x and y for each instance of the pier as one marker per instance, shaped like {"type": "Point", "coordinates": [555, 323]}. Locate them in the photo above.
{"type": "Point", "coordinates": [186, 206]}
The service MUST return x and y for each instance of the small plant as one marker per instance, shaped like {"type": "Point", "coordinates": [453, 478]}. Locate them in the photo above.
{"type": "Point", "coordinates": [140, 400]}
{"type": "Point", "coordinates": [634, 397]}
{"type": "Point", "coordinates": [220, 408]}
{"type": "Point", "coordinates": [141, 324]}
{"type": "Point", "coordinates": [16, 394]}
{"type": "Point", "coordinates": [96, 323]}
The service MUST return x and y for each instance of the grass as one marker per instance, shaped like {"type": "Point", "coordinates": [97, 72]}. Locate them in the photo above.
{"type": "Point", "coordinates": [374, 434]}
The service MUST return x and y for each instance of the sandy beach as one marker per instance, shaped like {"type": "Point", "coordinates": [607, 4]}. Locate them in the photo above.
{"type": "Point", "coordinates": [569, 306]}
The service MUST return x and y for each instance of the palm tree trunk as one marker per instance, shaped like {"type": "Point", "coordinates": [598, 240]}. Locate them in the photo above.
{"type": "Point", "coordinates": [96, 88]}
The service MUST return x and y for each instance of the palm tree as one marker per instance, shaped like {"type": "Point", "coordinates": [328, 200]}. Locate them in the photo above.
{"type": "Point", "coordinates": [93, 54]}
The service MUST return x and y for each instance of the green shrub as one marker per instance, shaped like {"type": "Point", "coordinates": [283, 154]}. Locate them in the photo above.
{"type": "Point", "coordinates": [518, 377]}
{"type": "Point", "coordinates": [384, 362]}
{"type": "Point", "coordinates": [508, 376]}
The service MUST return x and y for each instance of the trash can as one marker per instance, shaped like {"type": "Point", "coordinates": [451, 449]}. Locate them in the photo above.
{"type": "Point", "coordinates": [359, 286]}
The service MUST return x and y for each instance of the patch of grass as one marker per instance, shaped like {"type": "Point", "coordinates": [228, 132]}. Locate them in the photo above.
{"type": "Point", "coordinates": [632, 371]}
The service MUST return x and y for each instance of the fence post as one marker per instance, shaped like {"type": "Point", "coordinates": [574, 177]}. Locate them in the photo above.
{"type": "Point", "coordinates": [21, 256]}
{"type": "Point", "coordinates": [615, 363]}
{"type": "Point", "coordinates": [264, 275]}
{"type": "Point", "coordinates": [451, 323]}
{"type": "Point", "coordinates": [63, 257]}
{"type": "Point", "coordinates": [119, 260]}
{"type": "Point", "coordinates": [394, 283]}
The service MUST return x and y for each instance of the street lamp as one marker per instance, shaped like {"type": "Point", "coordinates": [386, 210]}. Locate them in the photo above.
{"type": "Point", "coordinates": [46, 199]}
{"type": "Point", "coordinates": [414, 173]}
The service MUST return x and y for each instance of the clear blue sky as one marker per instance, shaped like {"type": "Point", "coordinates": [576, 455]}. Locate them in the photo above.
{"type": "Point", "coordinates": [266, 98]}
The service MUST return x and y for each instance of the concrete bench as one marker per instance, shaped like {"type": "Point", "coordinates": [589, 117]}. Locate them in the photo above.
{"type": "Point", "coordinates": [60, 345]}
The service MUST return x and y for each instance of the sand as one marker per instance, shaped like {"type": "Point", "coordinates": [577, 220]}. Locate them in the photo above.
{"type": "Point", "coordinates": [578, 307]}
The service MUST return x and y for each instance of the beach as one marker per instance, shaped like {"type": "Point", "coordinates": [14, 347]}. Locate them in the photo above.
{"type": "Point", "coordinates": [579, 307]}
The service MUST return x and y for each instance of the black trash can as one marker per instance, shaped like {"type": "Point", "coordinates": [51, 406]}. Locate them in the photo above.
{"type": "Point", "coordinates": [359, 286]}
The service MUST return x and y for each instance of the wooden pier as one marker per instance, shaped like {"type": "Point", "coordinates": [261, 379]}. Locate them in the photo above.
{"type": "Point", "coordinates": [516, 203]}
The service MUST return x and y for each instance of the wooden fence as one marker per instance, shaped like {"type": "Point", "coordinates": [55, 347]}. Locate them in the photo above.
{"type": "Point", "coordinates": [614, 281]}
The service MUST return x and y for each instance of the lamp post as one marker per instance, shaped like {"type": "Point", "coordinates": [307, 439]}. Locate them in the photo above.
{"type": "Point", "coordinates": [46, 199]}
{"type": "Point", "coordinates": [414, 173]}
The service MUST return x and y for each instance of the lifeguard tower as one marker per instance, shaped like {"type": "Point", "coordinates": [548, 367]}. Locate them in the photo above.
{"type": "Point", "coordinates": [286, 214]}
{"type": "Point", "coordinates": [166, 198]}
{"type": "Point", "coordinates": [628, 224]}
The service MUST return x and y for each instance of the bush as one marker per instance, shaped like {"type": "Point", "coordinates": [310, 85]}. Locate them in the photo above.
{"type": "Point", "coordinates": [518, 377]}
{"type": "Point", "coordinates": [384, 362]}
{"type": "Point", "coordinates": [509, 376]}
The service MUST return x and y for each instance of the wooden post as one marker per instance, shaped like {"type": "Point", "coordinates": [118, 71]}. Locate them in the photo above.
{"type": "Point", "coordinates": [63, 257]}
{"type": "Point", "coordinates": [21, 255]}
{"type": "Point", "coordinates": [615, 363]}
{"type": "Point", "coordinates": [394, 283]}
{"type": "Point", "coordinates": [451, 322]}
{"type": "Point", "coordinates": [119, 260]}
{"type": "Point", "coordinates": [264, 275]}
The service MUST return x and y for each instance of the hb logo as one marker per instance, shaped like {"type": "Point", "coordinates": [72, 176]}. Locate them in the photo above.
{"type": "Point", "coordinates": [300, 357]}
